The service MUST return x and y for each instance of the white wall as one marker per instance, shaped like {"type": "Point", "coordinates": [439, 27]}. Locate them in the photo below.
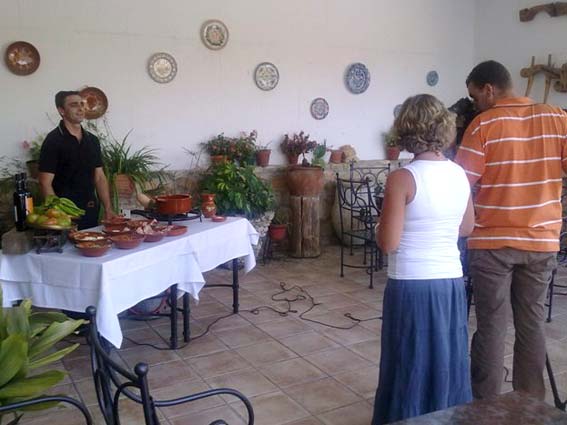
{"type": "Point", "coordinates": [106, 43]}
{"type": "Point", "coordinates": [500, 35]}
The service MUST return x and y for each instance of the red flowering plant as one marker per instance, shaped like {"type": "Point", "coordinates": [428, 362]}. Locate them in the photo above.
{"type": "Point", "coordinates": [298, 144]}
{"type": "Point", "coordinates": [33, 147]}
{"type": "Point", "coordinates": [245, 148]}
{"type": "Point", "coordinates": [219, 145]}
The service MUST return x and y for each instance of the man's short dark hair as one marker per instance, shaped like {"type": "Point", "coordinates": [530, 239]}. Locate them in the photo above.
{"type": "Point", "coordinates": [490, 72]}
{"type": "Point", "coordinates": [62, 95]}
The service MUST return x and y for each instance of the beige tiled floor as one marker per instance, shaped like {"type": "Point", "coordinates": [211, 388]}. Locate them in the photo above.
{"type": "Point", "coordinates": [294, 371]}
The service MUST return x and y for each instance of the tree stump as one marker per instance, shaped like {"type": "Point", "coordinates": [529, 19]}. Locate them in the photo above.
{"type": "Point", "coordinates": [304, 241]}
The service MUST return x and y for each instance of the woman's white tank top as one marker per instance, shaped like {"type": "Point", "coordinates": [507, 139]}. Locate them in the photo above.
{"type": "Point", "coordinates": [428, 246]}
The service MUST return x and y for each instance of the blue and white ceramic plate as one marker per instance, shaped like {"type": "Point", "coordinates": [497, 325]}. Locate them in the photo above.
{"type": "Point", "coordinates": [214, 34]}
{"type": "Point", "coordinates": [162, 67]}
{"type": "Point", "coordinates": [432, 78]}
{"type": "Point", "coordinates": [357, 78]}
{"type": "Point", "coordinates": [319, 108]}
{"type": "Point", "coordinates": [266, 76]}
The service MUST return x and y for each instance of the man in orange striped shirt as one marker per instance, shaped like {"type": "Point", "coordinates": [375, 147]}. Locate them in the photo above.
{"type": "Point", "coordinates": [514, 152]}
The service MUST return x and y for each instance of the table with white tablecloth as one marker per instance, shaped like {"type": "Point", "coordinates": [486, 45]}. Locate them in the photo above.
{"type": "Point", "coordinates": [122, 278]}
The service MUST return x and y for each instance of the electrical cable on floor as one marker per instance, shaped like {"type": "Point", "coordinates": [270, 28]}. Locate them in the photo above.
{"type": "Point", "coordinates": [303, 295]}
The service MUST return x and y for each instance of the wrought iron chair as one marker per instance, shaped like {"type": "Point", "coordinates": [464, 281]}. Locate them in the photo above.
{"type": "Point", "coordinates": [13, 407]}
{"type": "Point", "coordinates": [113, 381]}
{"type": "Point", "coordinates": [355, 200]}
{"type": "Point", "coordinates": [376, 176]}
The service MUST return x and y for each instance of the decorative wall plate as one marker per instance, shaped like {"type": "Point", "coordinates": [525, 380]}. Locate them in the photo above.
{"type": "Point", "coordinates": [162, 67]}
{"type": "Point", "coordinates": [357, 78]}
{"type": "Point", "coordinates": [432, 78]}
{"type": "Point", "coordinates": [319, 108]}
{"type": "Point", "coordinates": [397, 110]}
{"type": "Point", "coordinates": [214, 34]}
{"type": "Point", "coordinates": [96, 102]}
{"type": "Point", "coordinates": [22, 58]}
{"type": "Point", "coordinates": [266, 76]}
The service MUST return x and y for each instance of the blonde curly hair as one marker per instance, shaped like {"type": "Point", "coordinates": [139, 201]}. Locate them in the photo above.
{"type": "Point", "coordinates": [424, 124]}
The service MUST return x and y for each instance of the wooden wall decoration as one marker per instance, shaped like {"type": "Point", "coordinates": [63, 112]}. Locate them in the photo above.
{"type": "Point", "coordinates": [557, 8]}
{"type": "Point", "coordinates": [557, 75]}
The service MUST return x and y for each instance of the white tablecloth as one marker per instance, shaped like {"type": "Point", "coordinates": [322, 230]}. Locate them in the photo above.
{"type": "Point", "coordinates": [122, 278]}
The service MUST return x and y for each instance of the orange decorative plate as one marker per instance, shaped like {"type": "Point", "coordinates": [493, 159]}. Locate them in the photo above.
{"type": "Point", "coordinates": [22, 58]}
{"type": "Point", "coordinates": [96, 102]}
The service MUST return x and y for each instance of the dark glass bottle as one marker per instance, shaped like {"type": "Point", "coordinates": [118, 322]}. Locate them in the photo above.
{"type": "Point", "coordinates": [20, 200]}
{"type": "Point", "coordinates": [29, 198]}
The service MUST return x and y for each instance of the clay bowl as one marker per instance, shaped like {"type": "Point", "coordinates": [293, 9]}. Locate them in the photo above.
{"type": "Point", "coordinates": [127, 241]}
{"type": "Point", "coordinates": [88, 237]}
{"type": "Point", "coordinates": [154, 237]}
{"type": "Point", "coordinates": [176, 230]}
{"type": "Point", "coordinates": [134, 224]}
{"type": "Point", "coordinates": [122, 230]}
{"type": "Point", "coordinates": [93, 249]}
{"type": "Point", "coordinates": [174, 204]}
{"type": "Point", "coordinates": [218, 218]}
{"type": "Point", "coordinates": [120, 226]}
{"type": "Point", "coordinates": [118, 220]}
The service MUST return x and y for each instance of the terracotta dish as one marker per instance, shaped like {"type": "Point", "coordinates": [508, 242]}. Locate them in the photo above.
{"type": "Point", "coordinates": [154, 237]}
{"type": "Point", "coordinates": [129, 241]}
{"type": "Point", "coordinates": [218, 218]}
{"type": "Point", "coordinates": [22, 58]}
{"type": "Point", "coordinates": [93, 249]}
{"type": "Point", "coordinates": [96, 102]}
{"type": "Point", "coordinates": [134, 224]}
{"type": "Point", "coordinates": [173, 204]}
{"type": "Point", "coordinates": [88, 237]}
{"type": "Point", "coordinates": [176, 230]}
{"type": "Point", "coordinates": [115, 221]}
{"type": "Point", "coordinates": [121, 230]}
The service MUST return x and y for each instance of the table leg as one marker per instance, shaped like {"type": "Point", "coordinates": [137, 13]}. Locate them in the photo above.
{"type": "Point", "coordinates": [186, 317]}
{"type": "Point", "coordinates": [235, 303]}
{"type": "Point", "coordinates": [173, 316]}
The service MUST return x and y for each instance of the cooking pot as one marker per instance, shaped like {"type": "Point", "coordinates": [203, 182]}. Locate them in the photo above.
{"type": "Point", "coordinates": [173, 204]}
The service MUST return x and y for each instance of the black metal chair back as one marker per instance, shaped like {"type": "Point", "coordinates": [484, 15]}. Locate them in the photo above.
{"type": "Point", "coordinates": [355, 201]}
{"type": "Point", "coordinates": [376, 176]}
{"type": "Point", "coordinates": [113, 381]}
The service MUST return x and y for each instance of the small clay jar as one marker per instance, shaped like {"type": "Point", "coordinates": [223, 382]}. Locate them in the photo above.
{"type": "Point", "coordinates": [208, 207]}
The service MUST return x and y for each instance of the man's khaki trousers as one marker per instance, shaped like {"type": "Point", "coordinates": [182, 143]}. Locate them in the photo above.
{"type": "Point", "coordinates": [501, 277]}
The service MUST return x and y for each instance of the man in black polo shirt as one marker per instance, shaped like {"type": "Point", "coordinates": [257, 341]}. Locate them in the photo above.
{"type": "Point", "coordinates": [70, 162]}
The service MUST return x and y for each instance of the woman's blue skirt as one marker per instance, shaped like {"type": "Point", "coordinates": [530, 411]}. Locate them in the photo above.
{"type": "Point", "coordinates": [424, 363]}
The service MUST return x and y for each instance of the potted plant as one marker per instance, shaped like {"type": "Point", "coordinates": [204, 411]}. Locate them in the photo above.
{"type": "Point", "coordinates": [238, 191]}
{"type": "Point", "coordinates": [218, 148]}
{"type": "Point", "coordinates": [244, 151]}
{"type": "Point", "coordinates": [337, 156]}
{"type": "Point", "coordinates": [27, 341]}
{"type": "Point", "coordinates": [390, 139]}
{"type": "Point", "coordinates": [278, 227]}
{"type": "Point", "coordinates": [307, 179]}
{"type": "Point", "coordinates": [33, 149]}
{"type": "Point", "coordinates": [127, 170]}
{"type": "Point", "coordinates": [263, 155]}
{"type": "Point", "coordinates": [298, 144]}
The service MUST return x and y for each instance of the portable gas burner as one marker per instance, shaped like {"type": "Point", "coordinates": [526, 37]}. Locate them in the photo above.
{"type": "Point", "coordinates": [194, 214]}
{"type": "Point", "coordinates": [48, 240]}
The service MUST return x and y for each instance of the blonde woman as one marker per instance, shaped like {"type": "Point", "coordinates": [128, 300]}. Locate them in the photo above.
{"type": "Point", "coordinates": [424, 358]}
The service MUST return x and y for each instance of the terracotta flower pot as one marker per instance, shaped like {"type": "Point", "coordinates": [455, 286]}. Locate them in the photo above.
{"type": "Point", "coordinates": [277, 232]}
{"type": "Point", "coordinates": [292, 158]}
{"type": "Point", "coordinates": [33, 168]}
{"type": "Point", "coordinates": [174, 204]}
{"type": "Point", "coordinates": [124, 184]}
{"type": "Point", "coordinates": [263, 157]}
{"type": "Point", "coordinates": [392, 153]}
{"type": "Point", "coordinates": [336, 156]}
{"type": "Point", "coordinates": [208, 207]}
{"type": "Point", "coordinates": [305, 181]}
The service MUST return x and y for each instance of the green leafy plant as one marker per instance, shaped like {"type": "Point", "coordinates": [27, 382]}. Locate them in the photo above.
{"type": "Point", "coordinates": [238, 190]}
{"type": "Point", "coordinates": [390, 138]}
{"type": "Point", "coordinates": [318, 154]}
{"type": "Point", "coordinates": [281, 216]}
{"type": "Point", "coordinates": [244, 148]}
{"type": "Point", "coordinates": [26, 342]}
{"type": "Point", "coordinates": [33, 147]}
{"type": "Point", "coordinates": [119, 157]}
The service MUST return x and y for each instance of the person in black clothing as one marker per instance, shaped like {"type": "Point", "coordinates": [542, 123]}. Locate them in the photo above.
{"type": "Point", "coordinates": [70, 162]}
